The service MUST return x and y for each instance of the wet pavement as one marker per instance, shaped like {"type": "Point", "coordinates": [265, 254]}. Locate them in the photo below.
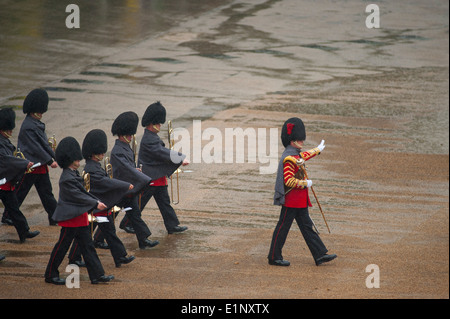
{"type": "Point", "coordinates": [379, 97]}
{"type": "Point", "coordinates": [201, 57]}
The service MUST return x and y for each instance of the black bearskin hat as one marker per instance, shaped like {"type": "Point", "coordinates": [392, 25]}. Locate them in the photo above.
{"type": "Point", "coordinates": [125, 124]}
{"type": "Point", "coordinates": [68, 151]}
{"type": "Point", "coordinates": [154, 114]}
{"type": "Point", "coordinates": [36, 102]}
{"type": "Point", "coordinates": [94, 143]}
{"type": "Point", "coordinates": [7, 119]}
{"type": "Point", "coordinates": [293, 130]}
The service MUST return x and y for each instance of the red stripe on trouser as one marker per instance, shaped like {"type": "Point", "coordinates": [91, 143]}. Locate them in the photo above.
{"type": "Point", "coordinates": [74, 250]}
{"type": "Point", "coordinates": [20, 184]}
{"type": "Point", "coordinates": [276, 237]}
{"type": "Point", "coordinates": [56, 251]}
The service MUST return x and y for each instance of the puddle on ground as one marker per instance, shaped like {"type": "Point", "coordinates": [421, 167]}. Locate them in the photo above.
{"type": "Point", "coordinates": [23, 253]}
{"type": "Point", "coordinates": [186, 244]}
{"type": "Point", "coordinates": [165, 60]}
{"type": "Point", "coordinates": [98, 73]}
{"type": "Point", "coordinates": [82, 81]}
{"type": "Point", "coordinates": [62, 89]}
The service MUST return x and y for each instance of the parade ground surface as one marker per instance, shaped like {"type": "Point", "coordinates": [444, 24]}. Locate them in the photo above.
{"type": "Point", "coordinates": [378, 97]}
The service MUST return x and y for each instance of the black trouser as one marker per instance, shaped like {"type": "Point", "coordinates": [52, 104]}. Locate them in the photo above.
{"type": "Point", "coordinates": [44, 189]}
{"type": "Point", "coordinates": [9, 200]}
{"type": "Point", "coordinates": [134, 217]}
{"type": "Point", "coordinates": [83, 237]}
{"type": "Point", "coordinates": [162, 199]}
{"type": "Point", "coordinates": [305, 224]}
{"type": "Point", "coordinates": [107, 231]}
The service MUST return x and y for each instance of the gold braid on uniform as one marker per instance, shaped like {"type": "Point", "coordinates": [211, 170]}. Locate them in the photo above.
{"type": "Point", "coordinates": [310, 154]}
{"type": "Point", "coordinates": [290, 174]}
{"type": "Point", "coordinates": [293, 176]}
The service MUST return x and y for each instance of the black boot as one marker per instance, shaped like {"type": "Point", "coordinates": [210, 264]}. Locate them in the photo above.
{"type": "Point", "coordinates": [325, 258]}
{"type": "Point", "coordinates": [148, 243]}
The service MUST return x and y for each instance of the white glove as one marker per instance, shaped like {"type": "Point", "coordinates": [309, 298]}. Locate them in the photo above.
{"type": "Point", "coordinates": [2, 181]}
{"type": "Point", "coordinates": [308, 183]}
{"type": "Point", "coordinates": [321, 146]}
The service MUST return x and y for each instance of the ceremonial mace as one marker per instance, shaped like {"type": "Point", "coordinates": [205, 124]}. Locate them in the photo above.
{"type": "Point", "coordinates": [315, 196]}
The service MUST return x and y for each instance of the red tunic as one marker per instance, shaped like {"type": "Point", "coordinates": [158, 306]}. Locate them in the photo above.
{"type": "Point", "coordinates": [43, 169]}
{"type": "Point", "coordinates": [7, 187]}
{"type": "Point", "coordinates": [79, 221]}
{"type": "Point", "coordinates": [162, 181]}
{"type": "Point", "coordinates": [298, 196]}
{"type": "Point", "coordinates": [103, 213]}
{"type": "Point", "coordinates": [38, 170]}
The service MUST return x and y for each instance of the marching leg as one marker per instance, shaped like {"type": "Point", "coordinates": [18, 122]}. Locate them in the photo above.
{"type": "Point", "coordinates": [279, 238]}
{"type": "Point", "coordinates": [60, 249]}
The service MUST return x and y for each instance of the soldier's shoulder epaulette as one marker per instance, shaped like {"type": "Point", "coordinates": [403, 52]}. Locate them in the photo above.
{"type": "Point", "coordinates": [291, 159]}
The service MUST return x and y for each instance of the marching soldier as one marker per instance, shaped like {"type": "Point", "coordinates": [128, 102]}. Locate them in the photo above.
{"type": "Point", "coordinates": [33, 143]}
{"type": "Point", "coordinates": [108, 190]}
{"type": "Point", "coordinates": [123, 161]}
{"type": "Point", "coordinates": [11, 170]}
{"type": "Point", "coordinates": [291, 193]}
{"type": "Point", "coordinates": [72, 215]}
{"type": "Point", "coordinates": [158, 162]}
